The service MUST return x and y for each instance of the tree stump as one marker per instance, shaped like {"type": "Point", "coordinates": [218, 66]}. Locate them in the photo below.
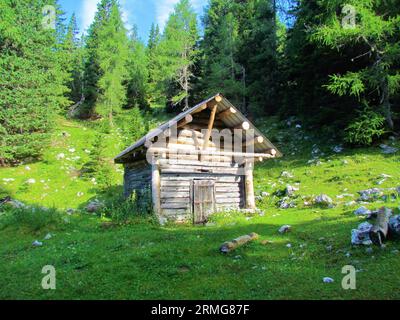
{"type": "Point", "coordinates": [380, 229]}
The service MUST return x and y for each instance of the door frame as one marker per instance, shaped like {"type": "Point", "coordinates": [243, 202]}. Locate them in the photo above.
{"type": "Point", "coordinates": [192, 195]}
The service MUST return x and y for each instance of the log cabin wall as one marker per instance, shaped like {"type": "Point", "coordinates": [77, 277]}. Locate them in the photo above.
{"type": "Point", "coordinates": [178, 173]}
{"type": "Point", "coordinates": [137, 177]}
{"type": "Point", "coordinates": [177, 178]}
{"type": "Point", "coordinates": [197, 169]}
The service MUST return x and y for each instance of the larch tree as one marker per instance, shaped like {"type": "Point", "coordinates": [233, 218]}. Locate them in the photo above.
{"type": "Point", "coordinates": [178, 50]}
{"type": "Point", "coordinates": [112, 53]}
{"type": "Point", "coordinates": [137, 84]}
{"type": "Point", "coordinates": [372, 30]}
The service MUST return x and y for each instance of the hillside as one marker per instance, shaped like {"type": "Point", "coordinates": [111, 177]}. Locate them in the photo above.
{"type": "Point", "coordinates": [103, 257]}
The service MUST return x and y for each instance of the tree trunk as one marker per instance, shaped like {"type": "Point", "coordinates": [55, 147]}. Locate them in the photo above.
{"type": "Point", "coordinates": [386, 103]}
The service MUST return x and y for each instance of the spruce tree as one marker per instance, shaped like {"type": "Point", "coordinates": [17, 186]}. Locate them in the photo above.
{"type": "Point", "coordinates": [72, 46]}
{"type": "Point", "coordinates": [112, 53]}
{"type": "Point", "coordinates": [153, 66]}
{"type": "Point", "coordinates": [32, 79]}
{"type": "Point", "coordinates": [92, 70]}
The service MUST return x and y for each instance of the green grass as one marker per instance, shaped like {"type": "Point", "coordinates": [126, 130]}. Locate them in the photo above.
{"type": "Point", "coordinates": [141, 260]}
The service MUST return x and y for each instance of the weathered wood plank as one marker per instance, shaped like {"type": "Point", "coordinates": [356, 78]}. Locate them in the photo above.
{"type": "Point", "coordinates": [190, 133]}
{"type": "Point", "coordinates": [183, 177]}
{"type": "Point", "coordinates": [197, 163]}
{"type": "Point", "coordinates": [175, 189]}
{"type": "Point", "coordinates": [184, 206]}
{"type": "Point", "coordinates": [182, 201]}
{"type": "Point", "coordinates": [174, 184]}
{"type": "Point", "coordinates": [192, 169]}
{"type": "Point", "coordinates": [173, 195]}
{"type": "Point", "coordinates": [175, 212]}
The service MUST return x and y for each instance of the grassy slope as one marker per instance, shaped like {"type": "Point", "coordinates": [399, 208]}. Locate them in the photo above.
{"type": "Point", "coordinates": [145, 261]}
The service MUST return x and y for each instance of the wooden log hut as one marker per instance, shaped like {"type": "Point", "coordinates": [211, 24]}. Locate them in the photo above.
{"type": "Point", "coordinates": [198, 163]}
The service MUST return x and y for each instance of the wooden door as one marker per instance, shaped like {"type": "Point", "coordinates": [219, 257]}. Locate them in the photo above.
{"type": "Point", "coordinates": [203, 195]}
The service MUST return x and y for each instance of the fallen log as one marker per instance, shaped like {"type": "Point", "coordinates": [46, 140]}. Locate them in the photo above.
{"type": "Point", "coordinates": [5, 200]}
{"type": "Point", "coordinates": [380, 229]}
{"type": "Point", "coordinates": [234, 244]}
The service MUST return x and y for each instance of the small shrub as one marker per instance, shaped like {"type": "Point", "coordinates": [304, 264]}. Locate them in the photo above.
{"type": "Point", "coordinates": [32, 219]}
{"type": "Point", "coordinates": [123, 210]}
{"type": "Point", "coordinates": [367, 127]}
{"type": "Point", "coordinates": [98, 167]}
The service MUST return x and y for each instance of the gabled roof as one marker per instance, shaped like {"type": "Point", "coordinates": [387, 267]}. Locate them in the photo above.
{"type": "Point", "coordinates": [232, 121]}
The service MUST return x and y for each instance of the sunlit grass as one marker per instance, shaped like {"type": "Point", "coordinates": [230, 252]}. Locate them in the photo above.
{"type": "Point", "coordinates": [141, 260]}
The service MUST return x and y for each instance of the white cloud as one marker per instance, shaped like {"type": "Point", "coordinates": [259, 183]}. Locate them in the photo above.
{"type": "Point", "coordinates": [89, 8]}
{"type": "Point", "coordinates": [125, 14]}
{"type": "Point", "coordinates": [163, 10]}
{"type": "Point", "coordinates": [165, 7]}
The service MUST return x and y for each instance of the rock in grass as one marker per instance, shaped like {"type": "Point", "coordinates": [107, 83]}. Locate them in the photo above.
{"type": "Point", "coordinates": [370, 194]}
{"type": "Point", "coordinates": [60, 156]}
{"type": "Point", "coordinates": [285, 229]}
{"type": "Point", "coordinates": [387, 149]}
{"type": "Point", "coordinates": [70, 211]}
{"type": "Point", "coordinates": [290, 190]}
{"type": "Point", "coordinates": [394, 224]}
{"type": "Point", "coordinates": [94, 206]}
{"type": "Point", "coordinates": [13, 203]}
{"type": "Point", "coordinates": [37, 243]}
{"type": "Point", "coordinates": [360, 236]}
{"type": "Point", "coordinates": [328, 280]}
{"type": "Point", "coordinates": [324, 200]}
{"type": "Point", "coordinates": [286, 174]}
{"type": "Point", "coordinates": [338, 149]}
{"type": "Point", "coordinates": [48, 236]}
{"type": "Point", "coordinates": [362, 211]}
{"type": "Point", "coordinates": [285, 203]}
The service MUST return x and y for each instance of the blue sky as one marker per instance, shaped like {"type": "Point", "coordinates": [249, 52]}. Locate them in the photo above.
{"type": "Point", "coordinates": [140, 12]}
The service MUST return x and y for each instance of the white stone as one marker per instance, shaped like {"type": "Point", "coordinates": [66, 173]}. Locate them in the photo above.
{"type": "Point", "coordinates": [362, 211]}
{"type": "Point", "coordinates": [37, 243]}
{"type": "Point", "coordinates": [328, 280]}
{"type": "Point", "coordinates": [285, 228]}
{"type": "Point", "coordinates": [60, 156]}
{"type": "Point", "coordinates": [323, 199]}
{"type": "Point", "coordinates": [48, 236]}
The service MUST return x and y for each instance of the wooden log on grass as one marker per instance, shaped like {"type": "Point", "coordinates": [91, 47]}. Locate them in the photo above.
{"type": "Point", "coordinates": [238, 242]}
